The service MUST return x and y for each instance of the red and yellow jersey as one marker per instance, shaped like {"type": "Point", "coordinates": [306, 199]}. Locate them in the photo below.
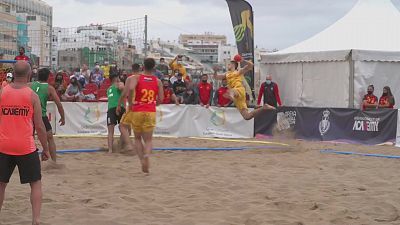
{"type": "Point", "coordinates": [16, 121]}
{"type": "Point", "coordinates": [384, 100]}
{"type": "Point", "coordinates": [146, 93]}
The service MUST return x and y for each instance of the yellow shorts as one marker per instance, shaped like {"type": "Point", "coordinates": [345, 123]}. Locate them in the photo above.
{"type": "Point", "coordinates": [240, 98]}
{"type": "Point", "coordinates": [143, 121]}
{"type": "Point", "coordinates": [126, 118]}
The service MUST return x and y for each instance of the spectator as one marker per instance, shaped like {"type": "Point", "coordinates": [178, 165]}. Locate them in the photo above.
{"type": "Point", "coordinates": [163, 67]}
{"type": "Point", "coordinates": [22, 55]}
{"type": "Point", "coordinates": [135, 69]}
{"type": "Point", "coordinates": [205, 91]}
{"type": "Point", "coordinates": [220, 98]}
{"type": "Point", "coordinates": [79, 76]}
{"type": "Point", "coordinates": [106, 70]}
{"type": "Point", "coordinates": [34, 75]}
{"type": "Point", "coordinates": [269, 91]}
{"type": "Point", "coordinates": [177, 64]}
{"type": "Point", "coordinates": [370, 101]}
{"type": "Point", "coordinates": [179, 88]}
{"type": "Point", "coordinates": [158, 74]}
{"type": "Point", "coordinates": [73, 92]}
{"type": "Point", "coordinates": [3, 68]}
{"type": "Point", "coordinates": [387, 99]}
{"type": "Point", "coordinates": [123, 76]}
{"type": "Point", "coordinates": [59, 84]}
{"type": "Point", "coordinates": [174, 77]}
{"type": "Point", "coordinates": [97, 76]}
{"type": "Point", "coordinates": [9, 80]}
{"type": "Point", "coordinates": [190, 97]}
{"type": "Point", "coordinates": [86, 73]}
{"type": "Point", "coordinates": [169, 96]}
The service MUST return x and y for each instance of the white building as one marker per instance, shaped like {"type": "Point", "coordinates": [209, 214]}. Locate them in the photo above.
{"type": "Point", "coordinates": [39, 39]}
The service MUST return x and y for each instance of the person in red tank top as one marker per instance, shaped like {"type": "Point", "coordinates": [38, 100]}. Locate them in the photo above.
{"type": "Point", "coordinates": [147, 92]}
{"type": "Point", "coordinates": [20, 112]}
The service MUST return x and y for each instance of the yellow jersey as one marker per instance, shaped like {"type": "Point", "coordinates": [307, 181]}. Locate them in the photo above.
{"type": "Point", "coordinates": [234, 79]}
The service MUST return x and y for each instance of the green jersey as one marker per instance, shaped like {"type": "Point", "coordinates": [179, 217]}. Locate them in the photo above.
{"type": "Point", "coordinates": [113, 94]}
{"type": "Point", "coordinates": [42, 90]}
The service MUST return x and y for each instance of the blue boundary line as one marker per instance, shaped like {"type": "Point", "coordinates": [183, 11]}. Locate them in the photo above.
{"type": "Point", "coordinates": [331, 151]}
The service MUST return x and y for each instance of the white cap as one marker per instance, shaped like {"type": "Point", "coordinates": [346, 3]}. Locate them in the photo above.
{"type": "Point", "coordinates": [9, 75]}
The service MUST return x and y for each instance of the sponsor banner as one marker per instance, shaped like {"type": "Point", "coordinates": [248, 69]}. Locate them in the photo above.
{"type": "Point", "coordinates": [398, 130]}
{"type": "Point", "coordinates": [51, 114]}
{"type": "Point", "coordinates": [219, 122]}
{"type": "Point", "coordinates": [172, 120]}
{"type": "Point", "coordinates": [369, 127]}
{"type": "Point", "coordinates": [243, 26]}
{"type": "Point", "coordinates": [82, 118]}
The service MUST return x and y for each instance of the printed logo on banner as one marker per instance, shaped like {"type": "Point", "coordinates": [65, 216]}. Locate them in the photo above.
{"type": "Point", "coordinates": [366, 124]}
{"type": "Point", "coordinates": [285, 120]}
{"type": "Point", "coordinates": [92, 114]}
{"type": "Point", "coordinates": [218, 117]}
{"type": "Point", "coordinates": [325, 124]}
{"type": "Point", "coordinates": [159, 114]}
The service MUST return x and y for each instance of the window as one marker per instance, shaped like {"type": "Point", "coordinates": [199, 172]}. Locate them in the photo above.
{"type": "Point", "coordinates": [64, 58]}
{"type": "Point", "coordinates": [31, 18]}
{"type": "Point", "coordinates": [53, 59]}
{"type": "Point", "coordinates": [47, 58]}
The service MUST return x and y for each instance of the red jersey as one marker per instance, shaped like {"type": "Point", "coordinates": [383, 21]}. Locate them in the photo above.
{"type": "Point", "coordinates": [168, 92]}
{"type": "Point", "coordinates": [384, 100]}
{"type": "Point", "coordinates": [371, 99]}
{"type": "Point", "coordinates": [22, 57]}
{"type": "Point", "coordinates": [205, 90]}
{"type": "Point", "coordinates": [16, 121]}
{"type": "Point", "coordinates": [145, 94]}
{"type": "Point", "coordinates": [222, 101]}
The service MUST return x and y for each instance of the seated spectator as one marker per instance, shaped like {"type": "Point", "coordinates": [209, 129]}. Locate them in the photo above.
{"type": "Point", "coordinates": [387, 99]}
{"type": "Point", "coordinates": [163, 67]}
{"type": "Point", "coordinates": [220, 97]}
{"type": "Point", "coordinates": [9, 80]}
{"type": "Point", "coordinates": [158, 74]}
{"type": "Point", "coordinates": [86, 73]}
{"type": "Point", "coordinates": [179, 87]}
{"type": "Point", "coordinates": [370, 101]}
{"type": "Point", "coordinates": [169, 96]}
{"type": "Point", "coordinates": [73, 92]}
{"type": "Point", "coordinates": [174, 76]}
{"type": "Point", "coordinates": [205, 90]}
{"type": "Point", "coordinates": [97, 76]}
{"type": "Point", "coordinates": [106, 69]}
{"type": "Point", "coordinates": [59, 84]}
{"type": "Point", "coordinates": [190, 97]}
{"type": "Point", "coordinates": [79, 76]}
{"type": "Point", "coordinates": [3, 68]}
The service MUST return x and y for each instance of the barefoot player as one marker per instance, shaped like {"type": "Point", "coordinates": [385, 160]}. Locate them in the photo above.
{"type": "Point", "coordinates": [148, 91]}
{"type": "Point", "coordinates": [46, 91]}
{"type": "Point", "coordinates": [237, 92]}
{"type": "Point", "coordinates": [20, 112]}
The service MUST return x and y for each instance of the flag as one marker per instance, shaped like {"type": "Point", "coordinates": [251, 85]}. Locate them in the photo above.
{"type": "Point", "coordinates": [243, 27]}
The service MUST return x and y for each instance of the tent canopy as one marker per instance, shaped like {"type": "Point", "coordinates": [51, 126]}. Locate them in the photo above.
{"type": "Point", "coordinates": [372, 26]}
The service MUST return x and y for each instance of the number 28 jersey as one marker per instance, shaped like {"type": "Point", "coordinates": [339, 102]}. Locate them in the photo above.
{"type": "Point", "coordinates": [145, 94]}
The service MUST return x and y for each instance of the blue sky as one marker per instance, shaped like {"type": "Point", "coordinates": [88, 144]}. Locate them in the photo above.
{"type": "Point", "coordinates": [278, 23]}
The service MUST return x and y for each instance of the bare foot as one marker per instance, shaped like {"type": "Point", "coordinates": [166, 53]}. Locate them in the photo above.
{"type": "Point", "coordinates": [36, 222]}
{"type": "Point", "coordinates": [145, 165]}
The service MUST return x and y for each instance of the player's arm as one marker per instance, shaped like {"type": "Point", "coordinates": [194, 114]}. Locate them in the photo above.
{"type": "Point", "coordinates": [131, 88]}
{"type": "Point", "coordinates": [124, 94]}
{"type": "Point", "coordinates": [39, 126]}
{"type": "Point", "coordinates": [174, 99]}
{"type": "Point", "coordinates": [121, 86]}
{"type": "Point", "coordinates": [248, 67]}
{"type": "Point", "coordinates": [60, 108]}
{"type": "Point", "coordinates": [160, 98]}
{"type": "Point", "coordinates": [218, 76]}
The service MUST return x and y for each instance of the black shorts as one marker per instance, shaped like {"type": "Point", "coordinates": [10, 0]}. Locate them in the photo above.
{"type": "Point", "coordinates": [112, 117]}
{"type": "Point", "coordinates": [47, 123]}
{"type": "Point", "coordinates": [28, 167]}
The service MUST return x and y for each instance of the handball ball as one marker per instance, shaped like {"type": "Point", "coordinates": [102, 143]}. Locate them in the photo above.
{"type": "Point", "coordinates": [237, 58]}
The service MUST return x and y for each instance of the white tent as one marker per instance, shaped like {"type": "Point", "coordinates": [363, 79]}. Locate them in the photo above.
{"type": "Point", "coordinates": [334, 68]}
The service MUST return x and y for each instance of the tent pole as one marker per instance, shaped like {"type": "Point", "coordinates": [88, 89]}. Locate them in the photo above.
{"type": "Point", "coordinates": [351, 80]}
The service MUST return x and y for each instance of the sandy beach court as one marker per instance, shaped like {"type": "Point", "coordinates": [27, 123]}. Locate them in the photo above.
{"type": "Point", "coordinates": [295, 185]}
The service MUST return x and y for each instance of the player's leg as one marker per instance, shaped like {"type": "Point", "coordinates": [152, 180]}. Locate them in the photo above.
{"type": "Point", "coordinates": [36, 201]}
{"type": "Point", "coordinates": [52, 145]}
{"type": "Point", "coordinates": [110, 137]}
{"type": "Point", "coordinates": [139, 145]}
{"type": "Point", "coordinates": [7, 166]}
{"type": "Point", "coordinates": [30, 172]}
{"type": "Point", "coordinates": [148, 147]}
{"type": "Point", "coordinates": [2, 193]}
{"type": "Point", "coordinates": [250, 115]}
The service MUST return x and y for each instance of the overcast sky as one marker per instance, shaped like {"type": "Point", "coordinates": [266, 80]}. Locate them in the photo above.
{"type": "Point", "coordinates": [278, 23]}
